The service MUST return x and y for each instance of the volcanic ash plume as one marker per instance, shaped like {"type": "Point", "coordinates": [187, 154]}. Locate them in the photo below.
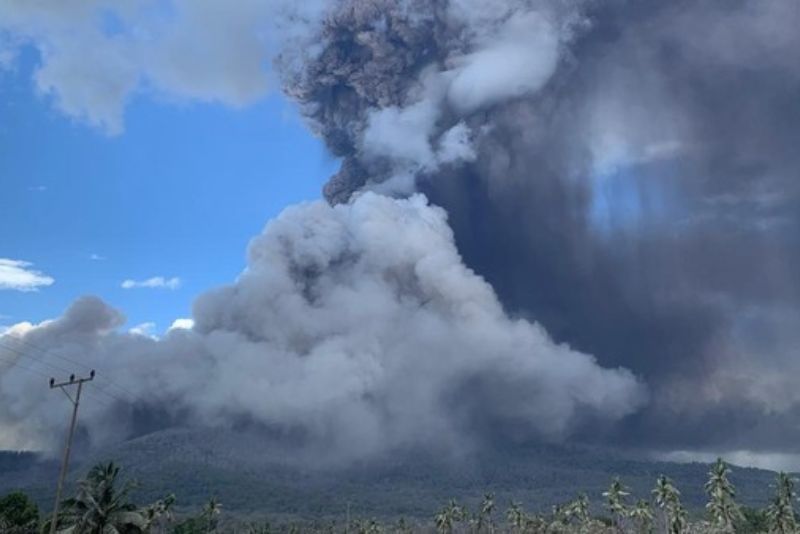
{"type": "Point", "coordinates": [622, 172]}
{"type": "Point", "coordinates": [398, 87]}
{"type": "Point", "coordinates": [357, 324]}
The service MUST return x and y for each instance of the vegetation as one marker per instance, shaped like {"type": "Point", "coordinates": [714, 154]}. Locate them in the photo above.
{"type": "Point", "coordinates": [102, 505]}
{"type": "Point", "coordinates": [251, 479]}
{"type": "Point", "coordinates": [18, 514]}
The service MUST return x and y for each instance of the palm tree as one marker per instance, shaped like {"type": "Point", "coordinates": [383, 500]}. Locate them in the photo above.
{"type": "Point", "coordinates": [516, 517]}
{"type": "Point", "coordinates": [485, 513]}
{"type": "Point", "coordinates": [680, 520]}
{"type": "Point", "coordinates": [668, 499]}
{"type": "Point", "coordinates": [615, 497]}
{"type": "Point", "coordinates": [367, 527]}
{"type": "Point", "coordinates": [100, 508]}
{"type": "Point", "coordinates": [403, 526]}
{"type": "Point", "coordinates": [780, 513]}
{"type": "Point", "coordinates": [578, 509]}
{"type": "Point", "coordinates": [211, 510]}
{"type": "Point", "coordinates": [722, 507]}
{"type": "Point", "coordinates": [159, 514]}
{"type": "Point", "coordinates": [642, 516]}
{"type": "Point", "coordinates": [448, 516]}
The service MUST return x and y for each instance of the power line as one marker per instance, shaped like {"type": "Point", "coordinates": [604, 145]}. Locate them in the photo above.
{"type": "Point", "coordinates": [40, 360]}
{"type": "Point", "coordinates": [17, 364]}
{"type": "Point", "coordinates": [56, 368]}
{"type": "Point", "coordinates": [42, 350]}
{"type": "Point", "coordinates": [44, 353]}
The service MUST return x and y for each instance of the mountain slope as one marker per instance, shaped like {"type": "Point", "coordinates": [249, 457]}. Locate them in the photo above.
{"type": "Point", "coordinates": [249, 476]}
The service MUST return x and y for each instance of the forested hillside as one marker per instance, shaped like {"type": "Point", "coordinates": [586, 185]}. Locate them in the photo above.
{"type": "Point", "coordinates": [242, 471]}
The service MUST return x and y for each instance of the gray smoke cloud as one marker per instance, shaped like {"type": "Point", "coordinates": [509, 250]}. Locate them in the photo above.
{"type": "Point", "coordinates": [624, 173]}
{"type": "Point", "coordinates": [621, 173]}
{"type": "Point", "coordinates": [357, 341]}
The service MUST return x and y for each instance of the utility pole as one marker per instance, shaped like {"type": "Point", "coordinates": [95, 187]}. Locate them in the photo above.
{"type": "Point", "coordinates": [65, 461]}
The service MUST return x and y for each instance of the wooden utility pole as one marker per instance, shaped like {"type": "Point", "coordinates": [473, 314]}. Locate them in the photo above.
{"type": "Point", "coordinates": [65, 461]}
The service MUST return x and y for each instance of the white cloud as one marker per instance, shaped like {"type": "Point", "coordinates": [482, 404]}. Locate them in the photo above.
{"type": "Point", "coordinates": [95, 54]}
{"type": "Point", "coordinates": [97, 257]}
{"type": "Point", "coordinates": [38, 188]}
{"type": "Point", "coordinates": [17, 275]}
{"type": "Point", "coordinates": [182, 324]}
{"type": "Point", "coordinates": [156, 282]}
{"type": "Point", "coordinates": [147, 329]}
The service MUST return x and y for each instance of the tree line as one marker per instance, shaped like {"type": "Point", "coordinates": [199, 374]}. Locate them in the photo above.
{"type": "Point", "coordinates": [102, 504]}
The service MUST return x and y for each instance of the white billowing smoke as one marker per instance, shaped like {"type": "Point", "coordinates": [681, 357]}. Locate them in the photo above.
{"type": "Point", "coordinates": [516, 62]}
{"type": "Point", "coordinates": [356, 327]}
{"type": "Point", "coordinates": [357, 324]}
{"type": "Point", "coordinates": [512, 53]}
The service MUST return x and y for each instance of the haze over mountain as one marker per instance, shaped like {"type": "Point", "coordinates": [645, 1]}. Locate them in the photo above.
{"type": "Point", "coordinates": [554, 221]}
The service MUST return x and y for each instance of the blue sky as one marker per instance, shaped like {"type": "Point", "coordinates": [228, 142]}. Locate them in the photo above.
{"type": "Point", "coordinates": [178, 194]}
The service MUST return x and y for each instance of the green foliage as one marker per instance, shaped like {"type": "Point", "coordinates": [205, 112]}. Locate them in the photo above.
{"type": "Point", "coordinates": [753, 521]}
{"type": "Point", "coordinates": [722, 509]}
{"type": "Point", "coordinates": [447, 518]}
{"type": "Point", "coordinates": [196, 464]}
{"type": "Point", "coordinates": [484, 521]}
{"type": "Point", "coordinates": [193, 525]}
{"type": "Point", "coordinates": [18, 511]}
{"type": "Point", "coordinates": [103, 505]}
{"type": "Point", "coordinates": [516, 517]}
{"type": "Point", "coordinates": [780, 514]}
{"type": "Point", "coordinates": [100, 506]}
{"type": "Point", "coordinates": [642, 516]}
{"type": "Point", "coordinates": [615, 502]}
{"type": "Point", "coordinates": [206, 522]}
{"type": "Point", "coordinates": [668, 501]}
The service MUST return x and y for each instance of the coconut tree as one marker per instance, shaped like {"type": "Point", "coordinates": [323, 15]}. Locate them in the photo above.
{"type": "Point", "coordinates": [403, 526]}
{"type": "Point", "coordinates": [579, 509]}
{"type": "Point", "coordinates": [576, 513]}
{"type": "Point", "coordinates": [448, 517]}
{"type": "Point", "coordinates": [722, 508]}
{"type": "Point", "coordinates": [211, 511]}
{"type": "Point", "coordinates": [159, 514]}
{"type": "Point", "coordinates": [780, 514]}
{"type": "Point", "coordinates": [516, 517]}
{"type": "Point", "coordinates": [100, 507]}
{"type": "Point", "coordinates": [484, 522]}
{"type": "Point", "coordinates": [615, 501]}
{"type": "Point", "coordinates": [364, 526]}
{"type": "Point", "coordinates": [642, 516]}
{"type": "Point", "coordinates": [668, 500]}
